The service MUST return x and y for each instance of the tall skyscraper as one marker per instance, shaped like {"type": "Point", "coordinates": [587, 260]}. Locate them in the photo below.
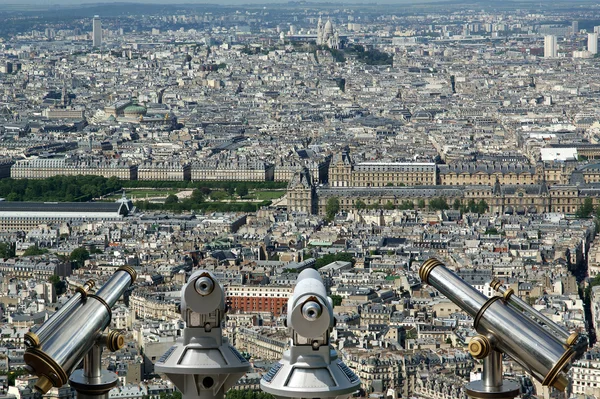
{"type": "Point", "coordinates": [97, 31]}
{"type": "Point", "coordinates": [575, 27]}
{"type": "Point", "coordinates": [550, 46]}
{"type": "Point", "coordinates": [593, 43]}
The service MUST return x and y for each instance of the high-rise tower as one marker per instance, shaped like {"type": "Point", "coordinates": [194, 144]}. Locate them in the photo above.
{"type": "Point", "coordinates": [97, 31]}
{"type": "Point", "coordinates": [592, 44]}
{"type": "Point", "coordinates": [550, 46]}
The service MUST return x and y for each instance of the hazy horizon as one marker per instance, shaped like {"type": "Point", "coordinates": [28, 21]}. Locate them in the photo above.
{"type": "Point", "coordinates": [258, 2]}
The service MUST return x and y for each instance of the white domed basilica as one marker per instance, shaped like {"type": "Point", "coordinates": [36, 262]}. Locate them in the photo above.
{"type": "Point", "coordinates": [326, 36]}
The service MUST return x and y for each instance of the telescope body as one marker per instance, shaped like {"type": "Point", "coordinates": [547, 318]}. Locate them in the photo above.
{"type": "Point", "coordinates": [74, 334]}
{"type": "Point", "coordinates": [33, 339]}
{"type": "Point", "coordinates": [310, 312]}
{"type": "Point", "coordinates": [534, 347]}
{"type": "Point", "coordinates": [202, 364]}
{"type": "Point", "coordinates": [310, 368]}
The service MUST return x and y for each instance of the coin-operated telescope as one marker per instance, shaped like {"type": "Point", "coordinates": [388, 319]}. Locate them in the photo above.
{"type": "Point", "coordinates": [311, 367]}
{"type": "Point", "coordinates": [507, 324]}
{"type": "Point", "coordinates": [202, 364]}
{"type": "Point", "coordinates": [76, 332]}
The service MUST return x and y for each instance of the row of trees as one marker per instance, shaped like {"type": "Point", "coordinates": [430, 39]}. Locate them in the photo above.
{"type": "Point", "coordinates": [226, 185]}
{"type": "Point", "coordinates": [188, 204]}
{"type": "Point", "coordinates": [85, 188]}
{"type": "Point", "coordinates": [435, 204]}
{"type": "Point", "coordinates": [58, 188]}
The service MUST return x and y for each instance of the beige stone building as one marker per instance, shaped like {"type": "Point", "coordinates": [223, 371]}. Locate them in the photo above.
{"type": "Point", "coordinates": [501, 199]}
{"type": "Point", "coordinates": [164, 171]}
{"type": "Point", "coordinates": [343, 172]}
{"type": "Point", "coordinates": [236, 170]}
{"type": "Point", "coordinates": [150, 307]}
{"type": "Point", "coordinates": [487, 174]}
{"type": "Point", "coordinates": [42, 168]}
{"type": "Point", "coordinates": [261, 343]}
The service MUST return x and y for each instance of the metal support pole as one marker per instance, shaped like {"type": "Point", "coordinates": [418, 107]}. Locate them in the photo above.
{"type": "Point", "coordinates": [492, 370]}
{"type": "Point", "coordinates": [491, 385]}
{"type": "Point", "coordinates": [92, 382]}
{"type": "Point", "coordinates": [92, 364]}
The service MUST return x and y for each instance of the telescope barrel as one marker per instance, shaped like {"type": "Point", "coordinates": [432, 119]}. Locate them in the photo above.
{"type": "Point", "coordinates": [452, 286]}
{"type": "Point", "coordinates": [55, 358]}
{"type": "Point", "coordinates": [522, 306]}
{"type": "Point", "coordinates": [33, 339]}
{"type": "Point", "coordinates": [526, 341]}
{"type": "Point", "coordinates": [309, 310]}
{"type": "Point", "coordinates": [309, 282]}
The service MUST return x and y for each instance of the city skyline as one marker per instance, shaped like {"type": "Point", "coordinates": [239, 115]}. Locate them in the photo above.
{"type": "Point", "coordinates": [382, 152]}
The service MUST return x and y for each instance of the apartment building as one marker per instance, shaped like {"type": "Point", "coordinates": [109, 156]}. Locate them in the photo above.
{"type": "Point", "coordinates": [42, 168]}
{"type": "Point", "coordinates": [250, 298]}
{"type": "Point", "coordinates": [234, 170]}
{"type": "Point", "coordinates": [343, 172]}
{"type": "Point", "coordinates": [164, 171]}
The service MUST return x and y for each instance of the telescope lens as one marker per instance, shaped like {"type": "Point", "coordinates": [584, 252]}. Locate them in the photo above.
{"type": "Point", "coordinates": [204, 286]}
{"type": "Point", "coordinates": [311, 311]}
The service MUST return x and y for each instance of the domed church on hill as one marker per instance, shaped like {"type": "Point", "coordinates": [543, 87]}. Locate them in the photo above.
{"type": "Point", "coordinates": [326, 36]}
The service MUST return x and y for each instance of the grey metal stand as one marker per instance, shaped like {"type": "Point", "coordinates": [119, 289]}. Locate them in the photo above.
{"type": "Point", "coordinates": [92, 382]}
{"type": "Point", "coordinates": [491, 385]}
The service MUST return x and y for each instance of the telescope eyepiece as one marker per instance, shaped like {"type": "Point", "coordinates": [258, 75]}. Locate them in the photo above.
{"type": "Point", "coordinates": [204, 285]}
{"type": "Point", "coordinates": [312, 310]}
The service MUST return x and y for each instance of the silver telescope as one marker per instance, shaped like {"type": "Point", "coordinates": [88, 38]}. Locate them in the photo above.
{"type": "Point", "coordinates": [507, 326]}
{"type": "Point", "coordinates": [63, 341]}
{"type": "Point", "coordinates": [311, 367]}
{"type": "Point", "coordinates": [203, 364]}
{"type": "Point", "coordinates": [33, 339]}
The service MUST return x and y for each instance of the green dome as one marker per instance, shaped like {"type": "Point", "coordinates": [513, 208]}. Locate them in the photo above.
{"type": "Point", "coordinates": [135, 110]}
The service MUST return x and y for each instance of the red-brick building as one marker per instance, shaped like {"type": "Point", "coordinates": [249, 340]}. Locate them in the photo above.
{"type": "Point", "coordinates": [249, 298]}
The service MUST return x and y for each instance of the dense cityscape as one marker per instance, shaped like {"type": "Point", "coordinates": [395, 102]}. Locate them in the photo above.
{"type": "Point", "coordinates": [256, 141]}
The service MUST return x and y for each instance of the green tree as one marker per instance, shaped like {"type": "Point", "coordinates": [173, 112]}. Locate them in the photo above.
{"type": "Point", "coordinates": [197, 196]}
{"type": "Point", "coordinates": [78, 257]}
{"type": "Point", "coordinates": [330, 258]}
{"type": "Point", "coordinates": [482, 207]}
{"type": "Point", "coordinates": [60, 285]}
{"type": "Point", "coordinates": [332, 207]}
{"type": "Point", "coordinates": [456, 205]}
{"type": "Point", "coordinates": [336, 299]}
{"type": "Point", "coordinates": [472, 206]}
{"type": "Point", "coordinates": [586, 209]}
{"type": "Point", "coordinates": [218, 195]}
{"type": "Point", "coordinates": [34, 251]}
{"type": "Point", "coordinates": [360, 204]}
{"type": "Point", "coordinates": [438, 204]}
{"type": "Point", "coordinates": [230, 190]}
{"type": "Point", "coordinates": [7, 250]}
{"type": "Point", "coordinates": [389, 205]}
{"type": "Point", "coordinates": [421, 204]}
{"type": "Point", "coordinates": [242, 190]}
{"type": "Point", "coordinates": [407, 205]}
{"type": "Point", "coordinates": [171, 199]}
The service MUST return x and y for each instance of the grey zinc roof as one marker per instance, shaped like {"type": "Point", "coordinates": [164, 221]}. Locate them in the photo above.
{"type": "Point", "coordinates": [8, 206]}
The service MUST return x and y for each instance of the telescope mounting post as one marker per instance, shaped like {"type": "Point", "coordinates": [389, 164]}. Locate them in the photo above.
{"type": "Point", "coordinates": [492, 385]}
{"type": "Point", "coordinates": [203, 364]}
{"type": "Point", "coordinates": [92, 382]}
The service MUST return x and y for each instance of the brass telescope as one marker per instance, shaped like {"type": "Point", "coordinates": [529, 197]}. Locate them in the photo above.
{"type": "Point", "coordinates": [507, 324]}
{"type": "Point", "coordinates": [75, 332]}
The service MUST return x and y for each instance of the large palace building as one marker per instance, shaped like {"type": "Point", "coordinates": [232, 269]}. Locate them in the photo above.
{"type": "Point", "coordinates": [304, 196]}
